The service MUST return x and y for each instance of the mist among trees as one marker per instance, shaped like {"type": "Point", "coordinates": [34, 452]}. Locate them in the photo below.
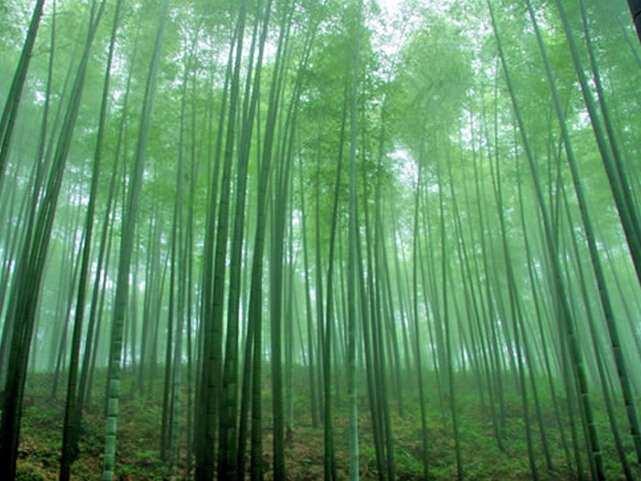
{"type": "Point", "coordinates": [302, 239]}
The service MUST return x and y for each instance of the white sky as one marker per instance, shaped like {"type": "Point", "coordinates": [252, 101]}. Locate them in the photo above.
{"type": "Point", "coordinates": [391, 7]}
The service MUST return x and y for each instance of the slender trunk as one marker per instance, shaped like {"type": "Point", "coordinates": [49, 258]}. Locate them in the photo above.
{"type": "Point", "coordinates": [126, 250]}
{"type": "Point", "coordinates": [11, 107]}
{"type": "Point", "coordinates": [70, 429]}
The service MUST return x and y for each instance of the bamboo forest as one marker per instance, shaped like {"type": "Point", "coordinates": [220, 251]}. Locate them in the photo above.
{"type": "Point", "coordinates": [320, 240]}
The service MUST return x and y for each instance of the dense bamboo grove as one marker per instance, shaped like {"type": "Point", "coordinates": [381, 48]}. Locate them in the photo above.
{"type": "Point", "coordinates": [291, 239]}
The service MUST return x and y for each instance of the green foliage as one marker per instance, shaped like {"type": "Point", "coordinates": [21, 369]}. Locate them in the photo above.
{"type": "Point", "coordinates": [431, 94]}
{"type": "Point", "coordinates": [29, 474]}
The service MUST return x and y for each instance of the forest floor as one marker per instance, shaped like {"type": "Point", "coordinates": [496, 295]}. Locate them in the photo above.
{"type": "Point", "coordinates": [139, 426]}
